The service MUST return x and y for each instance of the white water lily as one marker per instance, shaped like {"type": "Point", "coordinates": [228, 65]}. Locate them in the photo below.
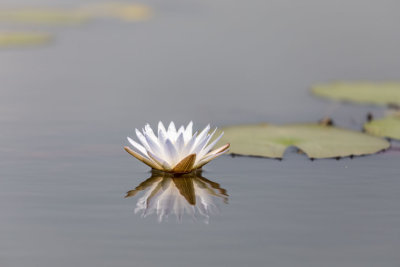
{"type": "Point", "coordinates": [175, 151]}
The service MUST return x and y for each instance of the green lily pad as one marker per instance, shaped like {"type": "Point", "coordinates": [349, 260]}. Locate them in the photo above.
{"type": "Point", "coordinates": [43, 16]}
{"type": "Point", "coordinates": [23, 38]}
{"type": "Point", "coordinates": [385, 127]}
{"type": "Point", "coordinates": [316, 141]}
{"type": "Point", "coordinates": [360, 92]}
{"type": "Point", "coordinates": [120, 10]}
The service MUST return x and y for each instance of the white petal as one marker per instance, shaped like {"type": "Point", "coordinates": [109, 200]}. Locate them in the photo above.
{"type": "Point", "coordinates": [162, 136]}
{"type": "Point", "coordinates": [199, 150]}
{"type": "Point", "coordinates": [188, 132]}
{"type": "Point", "coordinates": [148, 130]}
{"type": "Point", "coordinates": [212, 144]}
{"type": "Point", "coordinates": [199, 146]}
{"type": "Point", "coordinates": [200, 138]}
{"type": "Point", "coordinates": [171, 130]}
{"type": "Point", "coordinates": [189, 145]}
{"type": "Point", "coordinates": [142, 139]}
{"type": "Point", "coordinates": [171, 153]}
{"type": "Point", "coordinates": [139, 147]}
{"type": "Point", "coordinates": [164, 164]}
{"type": "Point", "coordinates": [180, 131]}
{"type": "Point", "coordinates": [149, 133]}
{"type": "Point", "coordinates": [154, 146]}
{"type": "Point", "coordinates": [179, 145]}
{"type": "Point", "coordinates": [161, 128]}
{"type": "Point", "coordinates": [206, 148]}
{"type": "Point", "coordinates": [205, 130]}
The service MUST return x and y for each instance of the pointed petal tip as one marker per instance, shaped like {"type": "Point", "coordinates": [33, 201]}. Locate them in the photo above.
{"type": "Point", "coordinates": [226, 147]}
{"type": "Point", "coordinates": [137, 132]}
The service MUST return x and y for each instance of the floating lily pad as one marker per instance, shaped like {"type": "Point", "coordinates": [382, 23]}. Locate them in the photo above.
{"type": "Point", "coordinates": [23, 38]}
{"type": "Point", "coordinates": [361, 92]}
{"type": "Point", "coordinates": [315, 140]}
{"type": "Point", "coordinates": [385, 127]}
{"type": "Point", "coordinates": [123, 11]}
{"type": "Point", "coordinates": [43, 16]}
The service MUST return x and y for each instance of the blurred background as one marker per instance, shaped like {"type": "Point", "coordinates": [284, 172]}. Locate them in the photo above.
{"type": "Point", "coordinates": [221, 62]}
{"type": "Point", "coordinates": [68, 101]}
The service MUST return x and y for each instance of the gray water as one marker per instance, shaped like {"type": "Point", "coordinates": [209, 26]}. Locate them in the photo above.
{"type": "Point", "coordinates": [67, 107]}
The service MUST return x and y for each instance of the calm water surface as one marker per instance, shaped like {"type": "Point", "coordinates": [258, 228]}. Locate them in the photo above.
{"type": "Point", "coordinates": [67, 107]}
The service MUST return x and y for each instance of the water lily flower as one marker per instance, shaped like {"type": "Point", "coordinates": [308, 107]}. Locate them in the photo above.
{"type": "Point", "coordinates": [166, 194]}
{"type": "Point", "coordinates": [175, 151]}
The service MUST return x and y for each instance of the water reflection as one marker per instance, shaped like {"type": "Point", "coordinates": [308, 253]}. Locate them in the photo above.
{"type": "Point", "coordinates": [167, 194]}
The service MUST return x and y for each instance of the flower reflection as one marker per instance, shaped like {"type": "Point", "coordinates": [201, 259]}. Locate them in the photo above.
{"type": "Point", "coordinates": [167, 194]}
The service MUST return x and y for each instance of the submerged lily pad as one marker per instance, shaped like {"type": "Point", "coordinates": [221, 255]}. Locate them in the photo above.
{"type": "Point", "coordinates": [316, 141]}
{"type": "Point", "coordinates": [385, 127]}
{"type": "Point", "coordinates": [43, 16]}
{"type": "Point", "coordinates": [23, 38]}
{"type": "Point", "coordinates": [123, 11]}
{"type": "Point", "coordinates": [361, 92]}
